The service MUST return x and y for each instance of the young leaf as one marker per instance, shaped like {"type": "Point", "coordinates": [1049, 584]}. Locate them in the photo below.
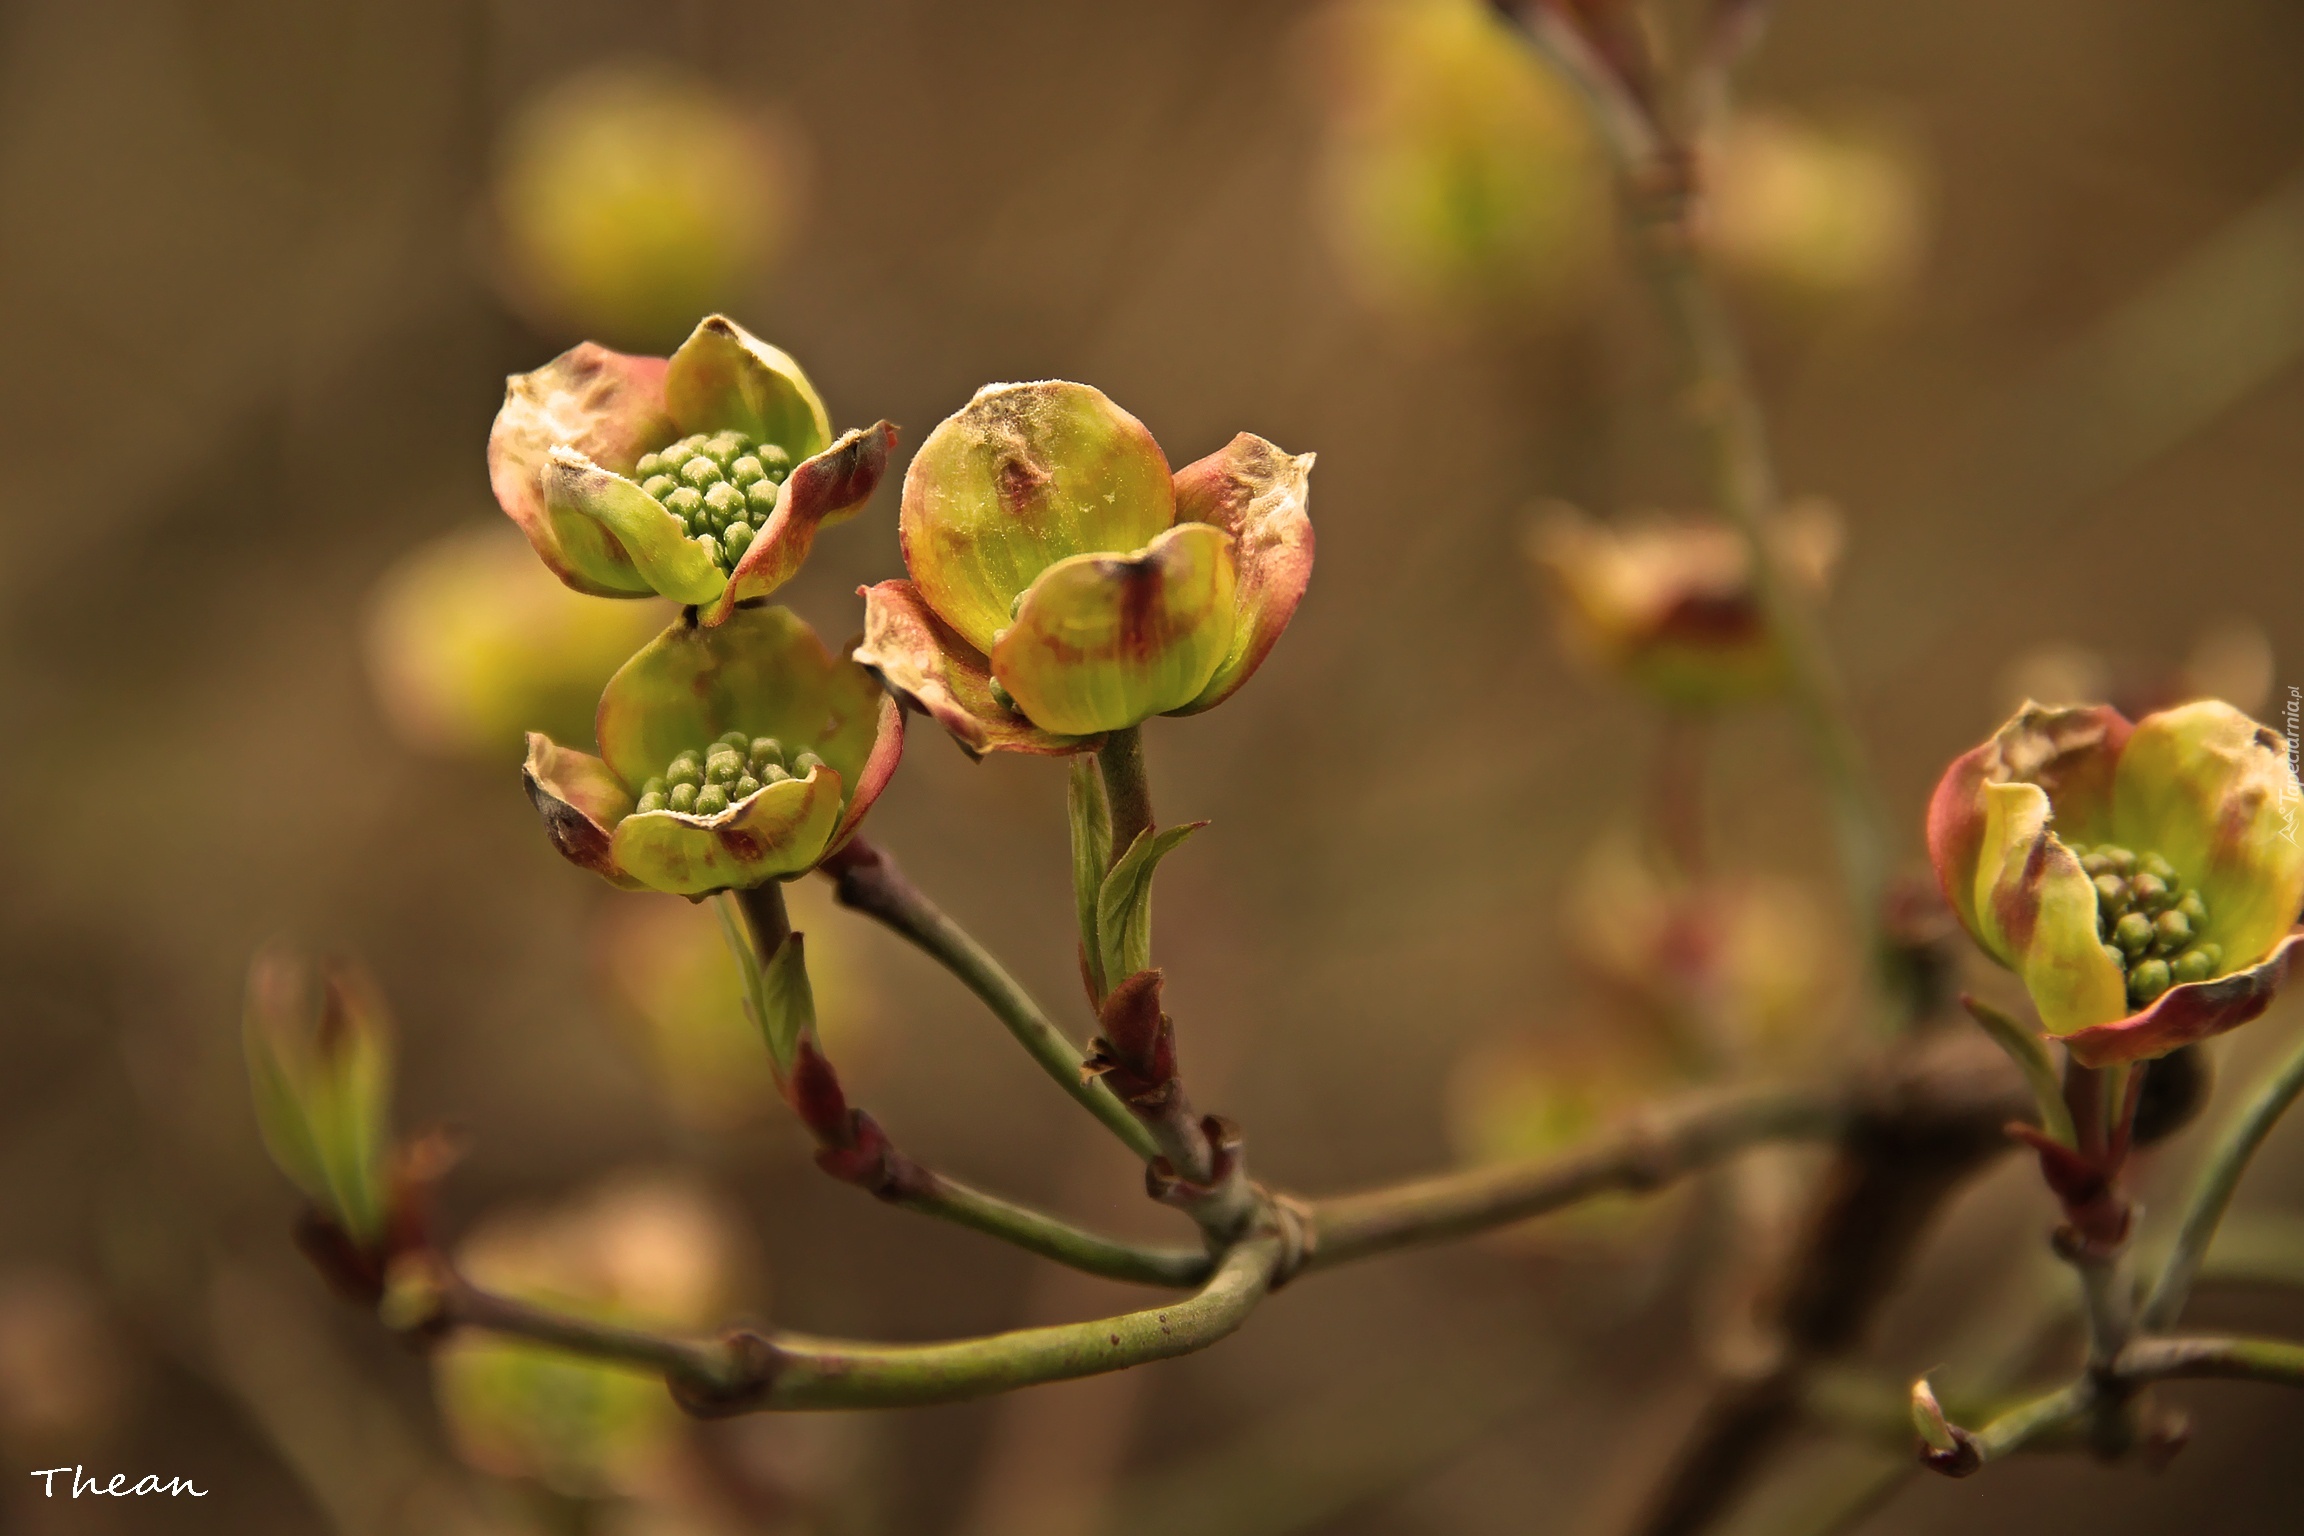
{"type": "Point", "coordinates": [2029, 1051]}
{"type": "Point", "coordinates": [788, 1004]}
{"type": "Point", "coordinates": [776, 995]}
{"type": "Point", "coordinates": [1091, 855]}
{"type": "Point", "coordinates": [1124, 901]}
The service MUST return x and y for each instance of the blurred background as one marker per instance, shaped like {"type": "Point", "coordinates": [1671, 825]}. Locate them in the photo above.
{"type": "Point", "coordinates": [2025, 288]}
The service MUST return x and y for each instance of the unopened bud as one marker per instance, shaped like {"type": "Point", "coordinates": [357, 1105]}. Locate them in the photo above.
{"type": "Point", "coordinates": [1928, 1418]}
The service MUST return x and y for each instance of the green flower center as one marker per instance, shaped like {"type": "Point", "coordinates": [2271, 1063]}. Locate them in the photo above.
{"type": "Point", "coordinates": [721, 485]}
{"type": "Point", "coordinates": [2149, 921]}
{"type": "Point", "coordinates": [727, 772]}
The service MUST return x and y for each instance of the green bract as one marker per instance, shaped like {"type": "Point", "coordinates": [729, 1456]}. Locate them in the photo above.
{"type": "Point", "coordinates": [2140, 879]}
{"type": "Point", "coordinates": [674, 803]}
{"type": "Point", "coordinates": [578, 458]}
{"type": "Point", "coordinates": [320, 1066]}
{"type": "Point", "coordinates": [1065, 584]}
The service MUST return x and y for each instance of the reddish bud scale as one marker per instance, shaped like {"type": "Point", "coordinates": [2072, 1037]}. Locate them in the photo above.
{"type": "Point", "coordinates": [814, 1094]}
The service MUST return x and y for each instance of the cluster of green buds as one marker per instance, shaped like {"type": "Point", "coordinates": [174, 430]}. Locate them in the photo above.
{"type": "Point", "coordinates": [731, 770]}
{"type": "Point", "coordinates": [797, 743]}
{"type": "Point", "coordinates": [2150, 921]}
{"type": "Point", "coordinates": [702, 477]}
{"type": "Point", "coordinates": [2138, 876]}
{"type": "Point", "coordinates": [721, 485]}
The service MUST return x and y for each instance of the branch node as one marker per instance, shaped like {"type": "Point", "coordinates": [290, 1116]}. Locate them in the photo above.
{"type": "Point", "coordinates": [748, 1378]}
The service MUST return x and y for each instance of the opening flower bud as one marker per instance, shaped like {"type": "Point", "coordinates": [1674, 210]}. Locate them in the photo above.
{"type": "Point", "coordinates": [2136, 876]}
{"type": "Point", "coordinates": [622, 470]}
{"type": "Point", "coordinates": [706, 711]}
{"type": "Point", "coordinates": [1066, 584]}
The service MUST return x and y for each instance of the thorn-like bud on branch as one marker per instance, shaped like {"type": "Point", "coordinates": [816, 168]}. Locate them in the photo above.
{"type": "Point", "coordinates": [1136, 1053]}
{"type": "Point", "coordinates": [1928, 1418]}
{"type": "Point", "coordinates": [1944, 1446]}
{"type": "Point", "coordinates": [415, 1298]}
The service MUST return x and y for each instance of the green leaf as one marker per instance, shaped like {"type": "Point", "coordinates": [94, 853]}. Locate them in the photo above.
{"type": "Point", "coordinates": [1091, 856]}
{"type": "Point", "coordinates": [789, 1002]}
{"type": "Point", "coordinates": [776, 995]}
{"type": "Point", "coordinates": [2030, 1052]}
{"type": "Point", "coordinates": [767, 1006]}
{"type": "Point", "coordinates": [1124, 901]}
{"type": "Point", "coordinates": [280, 1113]}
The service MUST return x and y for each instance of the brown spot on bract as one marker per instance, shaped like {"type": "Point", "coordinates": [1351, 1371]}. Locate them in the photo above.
{"type": "Point", "coordinates": [1018, 482]}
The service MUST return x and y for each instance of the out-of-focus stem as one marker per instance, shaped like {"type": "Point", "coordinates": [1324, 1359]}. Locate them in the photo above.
{"type": "Point", "coordinates": [2212, 1192]}
{"type": "Point", "coordinates": [869, 881]}
{"type": "Point", "coordinates": [2019, 1426]}
{"type": "Point", "coordinates": [1677, 1142]}
{"type": "Point", "coordinates": [2276, 1361]}
{"type": "Point", "coordinates": [702, 1363]}
{"type": "Point", "coordinates": [1657, 173]}
{"type": "Point", "coordinates": [1727, 412]}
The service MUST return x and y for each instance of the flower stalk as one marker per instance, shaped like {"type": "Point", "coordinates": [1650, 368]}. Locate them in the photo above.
{"type": "Point", "coordinates": [869, 881]}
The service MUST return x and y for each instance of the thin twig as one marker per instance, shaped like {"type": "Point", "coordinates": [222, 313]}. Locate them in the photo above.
{"type": "Point", "coordinates": [1050, 1236]}
{"type": "Point", "coordinates": [2276, 1361]}
{"type": "Point", "coordinates": [752, 1372]}
{"type": "Point", "coordinates": [2212, 1194]}
{"type": "Point", "coordinates": [1675, 1142]}
{"type": "Point", "coordinates": [831, 1373]}
{"type": "Point", "coordinates": [869, 881]}
{"type": "Point", "coordinates": [1656, 173]}
{"type": "Point", "coordinates": [1913, 1141]}
{"type": "Point", "coordinates": [898, 1179]}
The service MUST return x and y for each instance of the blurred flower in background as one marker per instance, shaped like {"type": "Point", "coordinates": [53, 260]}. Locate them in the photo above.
{"type": "Point", "coordinates": [667, 961]}
{"type": "Point", "coordinates": [1813, 212]}
{"type": "Point", "coordinates": [1668, 603]}
{"type": "Point", "coordinates": [631, 199]}
{"type": "Point", "coordinates": [1733, 969]}
{"type": "Point", "coordinates": [646, 1250]}
{"type": "Point", "coordinates": [2230, 660]}
{"type": "Point", "coordinates": [1460, 183]}
{"type": "Point", "coordinates": [471, 643]}
{"type": "Point", "coordinates": [1523, 1095]}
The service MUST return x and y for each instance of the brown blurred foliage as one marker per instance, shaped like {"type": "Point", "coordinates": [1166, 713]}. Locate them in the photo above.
{"type": "Point", "coordinates": [257, 333]}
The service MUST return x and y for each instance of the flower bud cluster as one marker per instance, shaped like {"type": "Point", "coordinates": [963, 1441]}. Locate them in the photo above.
{"type": "Point", "coordinates": [721, 485]}
{"type": "Point", "coordinates": [2147, 917]}
{"type": "Point", "coordinates": [731, 770]}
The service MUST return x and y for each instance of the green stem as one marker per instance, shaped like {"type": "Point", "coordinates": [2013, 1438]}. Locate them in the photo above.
{"type": "Point", "coordinates": [2212, 1193]}
{"type": "Point", "coordinates": [702, 1362]}
{"type": "Point", "coordinates": [2030, 1053]}
{"type": "Point", "coordinates": [1349, 1227]}
{"type": "Point", "coordinates": [2147, 1360]}
{"type": "Point", "coordinates": [796, 1371]}
{"type": "Point", "coordinates": [833, 1373]}
{"type": "Point", "coordinates": [2268, 1360]}
{"type": "Point", "coordinates": [2061, 1409]}
{"type": "Point", "coordinates": [1053, 1238]}
{"type": "Point", "coordinates": [1127, 789]}
{"type": "Point", "coordinates": [869, 881]}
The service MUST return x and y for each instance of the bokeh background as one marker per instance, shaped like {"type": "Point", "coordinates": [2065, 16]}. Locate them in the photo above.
{"type": "Point", "coordinates": [2026, 291]}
